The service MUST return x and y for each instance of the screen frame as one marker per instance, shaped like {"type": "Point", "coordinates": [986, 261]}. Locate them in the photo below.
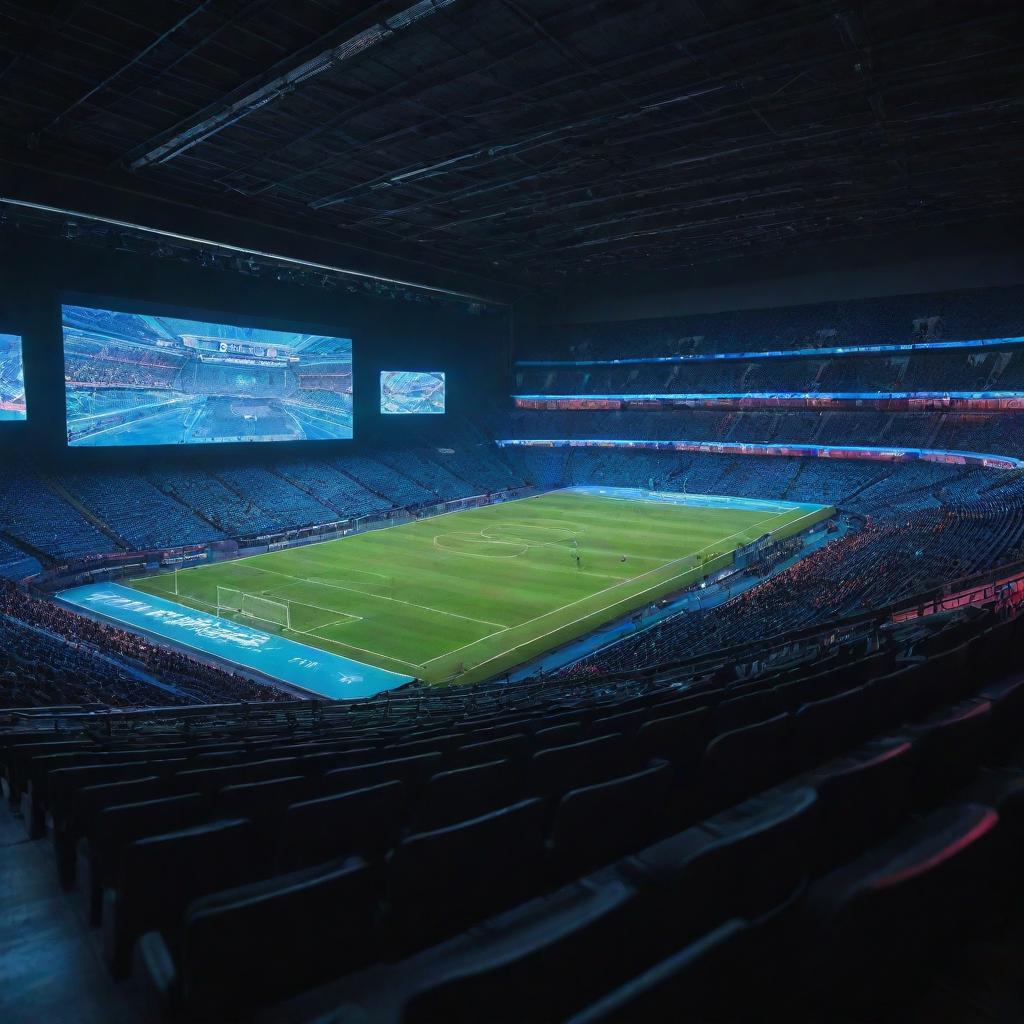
{"type": "Point", "coordinates": [120, 304]}
{"type": "Point", "coordinates": [434, 373]}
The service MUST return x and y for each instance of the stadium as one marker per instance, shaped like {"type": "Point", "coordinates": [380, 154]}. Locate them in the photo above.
{"type": "Point", "coordinates": [511, 512]}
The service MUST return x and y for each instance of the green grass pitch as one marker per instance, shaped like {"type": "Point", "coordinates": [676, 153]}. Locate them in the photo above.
{"type": "Point", "coordinates": [470, 594]}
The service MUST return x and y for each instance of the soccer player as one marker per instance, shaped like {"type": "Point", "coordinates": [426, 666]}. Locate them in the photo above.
{"type": "Point", "coordinates": [577, 560]}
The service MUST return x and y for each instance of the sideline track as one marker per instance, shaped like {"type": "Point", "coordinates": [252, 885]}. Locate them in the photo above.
{"type": "Point", "coordinates": [309, 668]}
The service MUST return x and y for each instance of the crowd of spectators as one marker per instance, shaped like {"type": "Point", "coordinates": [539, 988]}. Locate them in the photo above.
{"type": "Point", "coordinates": [50, 655]}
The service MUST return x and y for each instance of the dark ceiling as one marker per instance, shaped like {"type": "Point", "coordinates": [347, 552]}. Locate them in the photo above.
{"type": "Point", "coordinates": [532, 141]}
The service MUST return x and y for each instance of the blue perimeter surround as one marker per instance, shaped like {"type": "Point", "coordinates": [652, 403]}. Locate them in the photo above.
{"type": "Point", "coordinates": [782, 448]}
{"type": "Point", "coordinates": [706, 396]}
{"type": "Point", "coordinates": [309, 668]}
{"type": "Point", "coordinates": [693, 500]}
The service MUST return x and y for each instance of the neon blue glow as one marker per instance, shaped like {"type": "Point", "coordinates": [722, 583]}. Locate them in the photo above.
{"type": "Point", "coordinates": [309, 668]}
{"type": "Point", "coordinates": [779, 448]}
{"type": "Point", "coordinates": [693, 396]}
{"type": "Point", "coordinates": [779, 353]}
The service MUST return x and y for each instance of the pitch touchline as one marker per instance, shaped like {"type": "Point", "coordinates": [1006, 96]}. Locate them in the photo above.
{"type": "Point", "coordinates": [597, 611]}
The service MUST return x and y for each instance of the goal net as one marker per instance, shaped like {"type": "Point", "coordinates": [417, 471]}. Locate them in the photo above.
{"type": "Point", "coordinates": [254, 606]}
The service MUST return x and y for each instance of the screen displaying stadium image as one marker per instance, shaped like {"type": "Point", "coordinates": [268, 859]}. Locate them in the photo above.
{"type": "Point", "coordinates": [12, 378]}
{"type": "Point", "coordinates": [411, 392]}
{"type": "Point", "coordinates": [141, 379]}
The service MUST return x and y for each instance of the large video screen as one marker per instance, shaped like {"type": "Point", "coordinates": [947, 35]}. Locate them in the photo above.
{"type": "Point", "coordinates": [12, 378]}
{"type": "Point", "coordinates": [408, 392]}
{"type": "Point", "coordinates": [139, 379]}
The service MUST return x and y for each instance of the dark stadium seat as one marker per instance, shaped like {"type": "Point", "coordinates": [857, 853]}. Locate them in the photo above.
{"type": "Point", "coordinates": [1006, 699]}
{"type": "Point", "coordinates": [681, 987]}
{"type": "Point", "coordinates": [556, 770]}
{"type": "Point", "coordinates": [463, 793]}
{"type": "Point", "coordinates": [597, 823]}
{"type": "Point", "coordinates": [413, 772]}
{"type": "Point", "coordinates": [262, 803]}
{"type": "Point", "coordinates": [160, 875]}
{"type": "Point", "coordinates": [115, 827]}
{"type": "Point", "coordinates": [863, 796]}
{"type": "Point", "coordinates": [948, 747]}
{"type": "Point", "coordinates": [825, 727]}
{"type": "Point", "coordinates": [625, 723]}
{"type": "Point", "coordinates": [740, 762]}
{"type": "Point", "coordinates": [251, 945]}
{"type": "Point", "coordinates": [737, 712]}
{"type": "Point", "coordinates": [880, 917]}
{"type": "Point", "coordinates": [679, 739]}
{"type": "Point", "coordinates": [746, 861]}
{"type": "Point", "coordinates": [364, 821]}
{"type": "Point", "coordinates": [514, 747]}
{"type": "Point", "coordinates": [90, 801]}
{"type": "Point", "coordinates": [538, 962]}
{"type": "Point", "coordinates": [211, 780]}
{"type": "Point", "coordinates": [558, 735]}
{"type": "Point", "coordinates": [438, 882]}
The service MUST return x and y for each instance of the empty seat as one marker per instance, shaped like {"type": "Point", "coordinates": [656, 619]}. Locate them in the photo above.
{"type": "Point", "coordinates": [160, 875]}
{"type": "Point", "coordinates": [679, 739]}
{"type": "Point", "coordinates": [555, 771]}
{"type": "Point", "coordinates": [1006, 698]}
{"type": "Point", "coordinates": [413, 772]}
{"type": "Point", "coordinates": [263, 803]}
{"type": "Point", "coordinates": [949, 747]}
{"type": "Point", "coordinates": [210, 780]}
{"type": "Point", "coordinates": [743, 761]}
{"type": "Point", "coordinates": [862, 797]}
{"type": "Point", "coordinates": [441, 881]}
{"type": "Point", "coordinates": [682, 987]}
{"type": "Point", "coordinates": [625, 722]}
{"type": "Point", "coordinates": [824, 728]}
{"type": "Point", "coordinates": [538, 962]}
{"type": "Point", "coordinates": [742, 862]}
{"type": "Point", "coordinates": [882, 915]}
{"type": "Point", "coordinates": [595, 824]}
{"type": "Point", "coordinates": [244, 947]}
{"type": "Point", "coordinates": [365, 821]}
{"type": "Point", "coordinates": [515, 748]}
{"type": "Point", "coordinates": [737, 712]}
{"type": "Point", "coordinates": [464, 793]}
{"type": "Point", "coordinates": [558, 735]}
{"type": "Point", "coordinates": [100, 852]}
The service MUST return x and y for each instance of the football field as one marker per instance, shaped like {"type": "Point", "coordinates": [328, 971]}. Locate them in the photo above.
{"type": "Point", "coordinates": [470, 594]}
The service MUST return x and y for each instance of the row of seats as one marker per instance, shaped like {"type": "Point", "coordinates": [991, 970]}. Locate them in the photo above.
{"type": "Point", "coordinates": [816, 893]}
{"type": "Point", "coordinates": [442, 879]}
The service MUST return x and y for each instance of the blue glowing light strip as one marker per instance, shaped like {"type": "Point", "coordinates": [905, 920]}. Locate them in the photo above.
{"type": "Point", "coordinates": [795, 353]}
{"type": "Point", "coordinates": [703, 396]}
{"type": "Point", "coordinates": [834, 451]}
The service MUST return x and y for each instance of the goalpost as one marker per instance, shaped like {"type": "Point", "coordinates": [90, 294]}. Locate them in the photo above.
{"type": "Point", "coordinates": [253, 606]}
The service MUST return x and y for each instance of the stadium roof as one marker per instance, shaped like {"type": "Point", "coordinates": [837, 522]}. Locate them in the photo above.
{"type": "Point", "coordinates": [502, 145]}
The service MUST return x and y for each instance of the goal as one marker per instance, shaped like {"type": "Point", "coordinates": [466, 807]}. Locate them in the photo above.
{"type": "Point", "coordinates": [253, 606]}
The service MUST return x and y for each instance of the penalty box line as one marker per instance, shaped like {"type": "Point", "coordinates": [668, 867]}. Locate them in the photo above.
{"type": "Point", "coordinates": [380, 597]}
